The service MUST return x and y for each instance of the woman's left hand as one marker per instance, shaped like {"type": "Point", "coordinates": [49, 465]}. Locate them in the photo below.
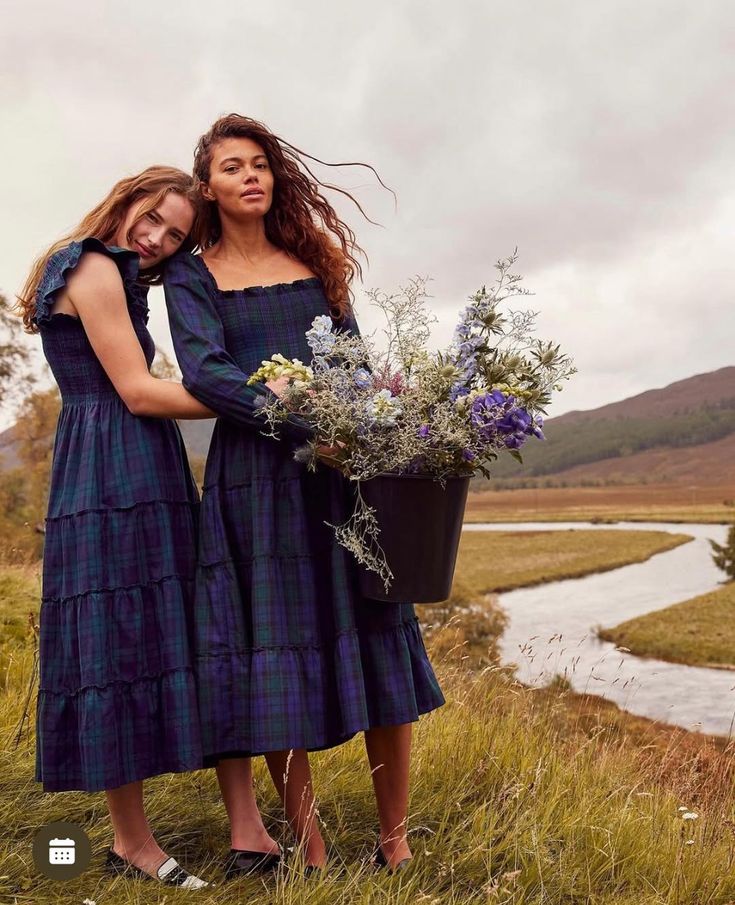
{"type": "Point", "coordinates": [278, 385]}
{"type": "Point", "coordinates": [330, 455]}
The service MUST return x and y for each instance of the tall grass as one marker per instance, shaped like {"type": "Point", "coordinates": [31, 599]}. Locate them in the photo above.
{"type": "Point", "coordinates": [518, 796]}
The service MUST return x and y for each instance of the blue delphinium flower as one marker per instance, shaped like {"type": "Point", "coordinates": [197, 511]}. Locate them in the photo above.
{"type": "Point", "coordinates": [469, 346]}
{"type": "Point", "coordinates": [362, 378]}
{"type": "Point", "coordinates": [320, 337]}
{"type": "Point", "coordinates": [465, 351]}
{"type": "Point", "coordinates": [458, 389]}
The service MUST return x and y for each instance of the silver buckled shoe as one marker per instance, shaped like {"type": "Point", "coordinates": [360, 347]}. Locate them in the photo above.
{"type": "Point", "coordinates": [170, 872]}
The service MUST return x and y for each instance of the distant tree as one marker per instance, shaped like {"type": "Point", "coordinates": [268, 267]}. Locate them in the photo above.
{"type": "Point", "coordinates": [24, 490]}
{"type": "Point", "coordinates": [15, 355]}
{"type": "Point", "coordinates": [163, 367]}
{"type": "Point", "coordinates": [724, 554]}
{"type": "Point", "coordinates": [34, 433]}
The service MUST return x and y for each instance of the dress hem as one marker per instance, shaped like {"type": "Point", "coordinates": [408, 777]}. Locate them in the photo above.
{"type": "Point", "coordinates": [211, 760]}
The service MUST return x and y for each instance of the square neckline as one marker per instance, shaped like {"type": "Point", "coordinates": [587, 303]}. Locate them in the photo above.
{"type": "Point", "coordinates": [293, 286]}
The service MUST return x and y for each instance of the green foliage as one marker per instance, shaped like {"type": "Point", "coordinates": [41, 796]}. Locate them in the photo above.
{"type": "Point", "coordinates": [724, 554]}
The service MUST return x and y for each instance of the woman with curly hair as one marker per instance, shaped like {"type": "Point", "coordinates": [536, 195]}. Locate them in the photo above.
{"type": "Point", "coordinates": [289, 658]}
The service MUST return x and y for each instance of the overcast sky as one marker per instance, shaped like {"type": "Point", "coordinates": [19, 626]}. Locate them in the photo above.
{"type": "Point", "coordinates": [599, 138]}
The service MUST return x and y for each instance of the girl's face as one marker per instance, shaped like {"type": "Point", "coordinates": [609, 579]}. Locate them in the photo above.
{"type": "Point", "coordinates": [240, 179]}
{"type": "Point", "coordinates": [159, 232]}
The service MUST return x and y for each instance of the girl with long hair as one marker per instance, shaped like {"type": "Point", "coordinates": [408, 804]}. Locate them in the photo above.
{"type": "Point", "coordinates": [289, 657]}
{"type": "Point", "coordinates": [117, 701]}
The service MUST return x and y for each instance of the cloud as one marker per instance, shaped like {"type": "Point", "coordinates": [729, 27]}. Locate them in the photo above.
{"type": "Point", "coordinates": [596, 137]}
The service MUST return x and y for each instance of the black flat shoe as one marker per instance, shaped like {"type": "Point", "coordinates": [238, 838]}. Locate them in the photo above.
{"type": "Point", "coordinates": [240, 863]}
{"type": "Point", "coordinates": [169, 872]}
{"type": "Point", "coordinates": [381, 863]}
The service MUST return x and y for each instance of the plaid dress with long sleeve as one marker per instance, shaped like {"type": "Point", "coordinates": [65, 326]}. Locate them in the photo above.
{"type": "Point", "coordinates": [117, 700]}
{"type": "Point", "coordinates": [288, 654]}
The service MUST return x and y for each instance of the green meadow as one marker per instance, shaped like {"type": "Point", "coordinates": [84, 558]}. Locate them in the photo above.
{"type": "Point", "coordinates": [698, 632]}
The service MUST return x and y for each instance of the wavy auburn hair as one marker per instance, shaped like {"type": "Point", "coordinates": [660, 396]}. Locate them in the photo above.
{"type": "Point", "coordinates": [300, 220]}
{"type": "Point", "coordinates": [103, 222]}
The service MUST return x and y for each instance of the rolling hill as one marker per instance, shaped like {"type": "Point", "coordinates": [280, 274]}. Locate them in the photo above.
{"type": "Point", "coordinates": [679, 433]}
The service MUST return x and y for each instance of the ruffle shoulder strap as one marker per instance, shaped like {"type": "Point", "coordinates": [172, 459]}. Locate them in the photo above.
{"type": "Point", "coordinates": [63, 262]}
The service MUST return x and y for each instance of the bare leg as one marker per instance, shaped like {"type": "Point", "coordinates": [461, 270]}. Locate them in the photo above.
{"type": "Point", "coordinates": [133, 836]}
{"type": "Point", "coordinates": [291, 776]}
{"type": "Point", "coordinates": [247, 831]}
{"type": "Point", "coordinates": [389, 753]}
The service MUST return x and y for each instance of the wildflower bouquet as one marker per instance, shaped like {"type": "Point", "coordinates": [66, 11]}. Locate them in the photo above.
{"type": "Point", "coordinates": [407, 411]}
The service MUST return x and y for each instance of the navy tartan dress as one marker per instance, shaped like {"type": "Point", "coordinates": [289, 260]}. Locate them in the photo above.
{"type": "Point", "coordinates": [288, 655]}
{"type": "Point", "coordinates": [117, 698]}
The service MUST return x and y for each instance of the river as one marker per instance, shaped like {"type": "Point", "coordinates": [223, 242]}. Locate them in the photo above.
{"type": "Point", "coordinates": [551, 629]}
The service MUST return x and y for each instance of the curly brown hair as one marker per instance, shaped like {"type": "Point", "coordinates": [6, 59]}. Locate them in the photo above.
{"type": "Point", "coordinates": [300, 220]}
{"type": "Point", "coordinates": [103, 222]}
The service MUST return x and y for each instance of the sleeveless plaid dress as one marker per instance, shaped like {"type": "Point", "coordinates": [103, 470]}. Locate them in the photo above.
{"type": "Point", "coordinates": [288, 654]}
{"type": "Point", "coordinates": [117, 700]}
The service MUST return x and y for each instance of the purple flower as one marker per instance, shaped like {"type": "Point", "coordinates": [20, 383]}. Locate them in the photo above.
{"type": "Point", "coordinates": [469, 346]}
{"type": "Point", "coordinates": [515, 419]}
{"type": "Point", "coordinates": [499, 420]}
{"type": "Point", "coordinates": [424, 431]}
{"type": "Point", "coordinates": [362, 378]}
{"type": "Point", "coordinates": [515, 441]}
{"type": "Point", "coordinates": [457, 390]}
{"type": "Point", "coordinates": [468, 455]}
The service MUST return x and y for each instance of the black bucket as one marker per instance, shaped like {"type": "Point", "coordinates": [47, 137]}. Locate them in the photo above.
{"type": "Point", "coordinates": [420, 525]}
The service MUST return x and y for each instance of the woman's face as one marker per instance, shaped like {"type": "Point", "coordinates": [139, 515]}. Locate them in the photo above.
{"type": "Point", "coordinates": [159, 232]}
{"type": "Point", "coordinates": [240, 179]}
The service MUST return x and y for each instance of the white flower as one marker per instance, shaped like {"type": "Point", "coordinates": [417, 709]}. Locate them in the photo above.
{"type": "Point", "coordinates": [383, 408]}
{"type": "Point", "coordinates": [690, 815]}
{"type": "Point", "coordinates": [322, 324]}
{"type": "Point", "coordinates": [320, 337]}
{"type": "Point", "coordinates": [683, 808]}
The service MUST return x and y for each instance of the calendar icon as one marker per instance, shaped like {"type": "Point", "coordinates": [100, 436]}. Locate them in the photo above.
{"type": "Point", "coordinates": [61, 851]}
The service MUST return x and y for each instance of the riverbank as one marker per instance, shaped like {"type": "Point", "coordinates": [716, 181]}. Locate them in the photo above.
{"type": "Point", "coordinates": [504, 560]}
{"type": "Point", "coordinates": [489, 562]}
{"type": "Point", "coordinates": [697, 632]}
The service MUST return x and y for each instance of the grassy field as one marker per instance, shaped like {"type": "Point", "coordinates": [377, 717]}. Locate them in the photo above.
{"type": "Point", "coordinates": [699, 632]}
{"type": "Point", "coordinates": [518, 796]}
{"type": "Point", "coordinates": [625, 502]}
{"type": "Point", "coordinates": [501, 561]}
